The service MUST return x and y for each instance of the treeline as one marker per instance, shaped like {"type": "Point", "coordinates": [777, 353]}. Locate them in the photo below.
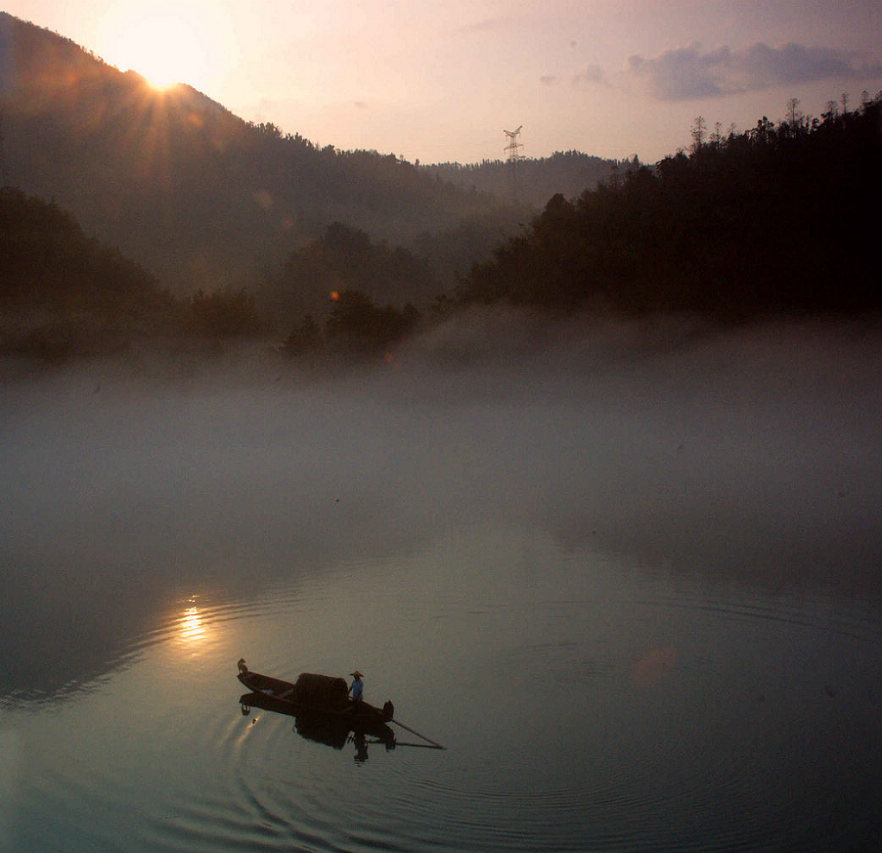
{"type": "Point", "coordinates": [65, 294]}
{"type": "Point", "coordinates": [356, 328]}
{"type": "Point", "coordinates": [346, 296]}
{"type": "Point", "coordinates": [345, 259]}
{"type": "Point", "coordinates": [534, 181]}
{"type": "Point", "coordinates": [781, 218]}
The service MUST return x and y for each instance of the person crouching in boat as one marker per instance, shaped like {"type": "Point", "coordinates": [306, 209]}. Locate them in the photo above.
{"type": "Point", "coordinates": [357, 687]}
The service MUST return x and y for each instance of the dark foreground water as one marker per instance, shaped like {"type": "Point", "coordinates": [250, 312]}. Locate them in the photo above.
{"type": "Point", "coordinates": [634, 591]}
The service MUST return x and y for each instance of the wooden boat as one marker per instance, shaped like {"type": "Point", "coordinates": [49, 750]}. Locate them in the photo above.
{"type": "Point", "coordinates": [315, 698]}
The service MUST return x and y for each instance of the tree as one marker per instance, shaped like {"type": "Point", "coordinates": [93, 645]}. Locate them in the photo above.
{"type": "Point", "coordinates": [346, 259]}
{"type": "Point", "coordinates": [356, 325]}
{"type": "Point", "coordinates": [699, 132]}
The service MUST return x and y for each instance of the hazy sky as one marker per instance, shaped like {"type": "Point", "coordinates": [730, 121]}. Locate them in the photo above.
{"type": "Point", "coordinates": [439, 80]}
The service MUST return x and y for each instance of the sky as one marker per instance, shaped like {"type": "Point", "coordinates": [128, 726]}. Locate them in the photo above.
{"type": "Point", "coordinates": [440, 80]}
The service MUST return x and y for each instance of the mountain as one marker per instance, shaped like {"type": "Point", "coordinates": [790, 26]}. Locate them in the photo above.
{"type": "Point", "coordinates": [64, 293]}
{"type": "Point", "coordinates": [179, 184]}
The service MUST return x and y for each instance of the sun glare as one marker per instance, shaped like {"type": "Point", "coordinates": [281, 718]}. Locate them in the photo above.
{"type": "Point", "coordinates": [164, 45]}
{"type": "Point", "coordinates": [191, 627]}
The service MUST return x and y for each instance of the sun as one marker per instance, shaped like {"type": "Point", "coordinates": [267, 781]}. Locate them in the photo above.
{"type": "Point", "coordinates": [165, 49]}
{"type": "Point", "coordinates": [165, 44]}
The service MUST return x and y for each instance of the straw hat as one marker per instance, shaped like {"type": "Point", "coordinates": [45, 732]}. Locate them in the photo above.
{"type": "Point", "coordinates": [356, 674]}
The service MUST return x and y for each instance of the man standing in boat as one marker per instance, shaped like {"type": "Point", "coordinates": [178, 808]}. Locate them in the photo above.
{"type": "Point", "coordinates": [357, 688]}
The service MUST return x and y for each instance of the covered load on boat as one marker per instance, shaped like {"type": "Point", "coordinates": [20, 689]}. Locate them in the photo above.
{"type": "Point", "coordinates": [321, 691]}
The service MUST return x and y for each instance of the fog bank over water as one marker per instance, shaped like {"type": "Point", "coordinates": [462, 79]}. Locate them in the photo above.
{"type": "Point", "coordinates": [745, 456]}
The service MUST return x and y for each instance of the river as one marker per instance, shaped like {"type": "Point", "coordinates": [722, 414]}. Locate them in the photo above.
{"type": "Point", "coordinates": [632, 584]}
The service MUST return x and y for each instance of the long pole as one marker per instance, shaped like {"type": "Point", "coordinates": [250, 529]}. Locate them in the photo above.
{"type": "Point", "coordinates": [414, 732]}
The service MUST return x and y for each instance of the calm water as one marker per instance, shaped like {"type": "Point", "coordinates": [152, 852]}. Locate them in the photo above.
{"type": "Point", "coordinates": [634, 590]}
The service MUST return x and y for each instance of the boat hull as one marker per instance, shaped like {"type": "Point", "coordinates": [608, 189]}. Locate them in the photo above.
{"type": "Point", "coordinates": [340, 713]}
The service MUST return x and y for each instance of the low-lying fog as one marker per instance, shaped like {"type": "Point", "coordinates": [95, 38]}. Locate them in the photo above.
{"type": "Point", "coordinates": [746, 456]}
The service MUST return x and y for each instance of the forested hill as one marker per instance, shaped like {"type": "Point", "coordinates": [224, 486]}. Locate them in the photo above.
{"type": "Point", "coordinates": [782, 218]}
{"type": "Point", "coordinates": [180, 184]}
{"type": "Point", "coordinates": [532, 180]}
{"type": "Point", "coordinates": [62, 290]}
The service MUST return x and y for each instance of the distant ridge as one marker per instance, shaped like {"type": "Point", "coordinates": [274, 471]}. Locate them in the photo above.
{"type": "Point", "coordinates": [181, 185]}
{"type": "Point", "coordinates": [567, 173]}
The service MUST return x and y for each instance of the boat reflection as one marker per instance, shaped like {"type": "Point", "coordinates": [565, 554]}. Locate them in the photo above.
{"type": "Point", "coordinates": [326, 729]}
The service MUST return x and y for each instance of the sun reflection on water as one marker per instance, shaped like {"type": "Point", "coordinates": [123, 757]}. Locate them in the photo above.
{"type": "Point", "coordinates": [191, 626]}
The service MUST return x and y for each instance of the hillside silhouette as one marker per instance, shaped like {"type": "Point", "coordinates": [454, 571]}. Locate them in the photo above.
{"type": "Point", "coordinates": [63, 292]}
{"type": "Point", "coordinates": [781, 218]}
{"type": "Point", "coordinates": [184, 187]}
{"type": "Point", "coordinates": [131, 214]}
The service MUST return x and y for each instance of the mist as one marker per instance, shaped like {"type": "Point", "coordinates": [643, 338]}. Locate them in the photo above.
{"type": "Point", "coordinates": [741, 456]}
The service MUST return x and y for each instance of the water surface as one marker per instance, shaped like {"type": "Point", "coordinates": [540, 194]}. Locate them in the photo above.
{"type": "Point", "coordinates": [633, 590]}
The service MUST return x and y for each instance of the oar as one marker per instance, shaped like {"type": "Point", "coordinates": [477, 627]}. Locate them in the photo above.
{"type": "Point", "coordinates": [397, 743]}
{"type": "Point", "coordinates": [414, 732]}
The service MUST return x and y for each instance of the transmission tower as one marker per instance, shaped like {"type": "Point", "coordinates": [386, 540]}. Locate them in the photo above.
{"type": "Point", "coordinates": [514, 156]}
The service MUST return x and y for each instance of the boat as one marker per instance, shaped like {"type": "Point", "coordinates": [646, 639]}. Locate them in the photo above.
{"type": "Point", "coordinates": [319, 700]}
{"type": "Point", "coordinates": [322, 708]}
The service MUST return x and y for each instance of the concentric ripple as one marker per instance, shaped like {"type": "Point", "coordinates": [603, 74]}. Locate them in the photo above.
{"type": "Point", "coordinates": [629, 714]}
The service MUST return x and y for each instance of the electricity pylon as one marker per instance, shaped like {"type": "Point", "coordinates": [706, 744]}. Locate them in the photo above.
{"type": "Point", "coordinates": [514, 156]}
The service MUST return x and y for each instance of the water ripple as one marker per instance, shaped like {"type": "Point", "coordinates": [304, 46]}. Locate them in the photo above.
{"type": "Point", "coordinates": [621, 765]}
{"type": "Point", "coordinates": [857, 623]}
